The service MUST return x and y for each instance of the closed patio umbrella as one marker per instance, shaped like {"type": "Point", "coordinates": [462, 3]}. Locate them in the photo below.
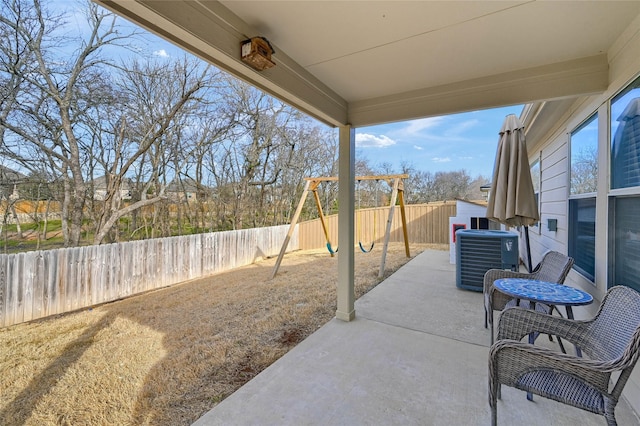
{"type": "Point", "coordinates": [512, 200]}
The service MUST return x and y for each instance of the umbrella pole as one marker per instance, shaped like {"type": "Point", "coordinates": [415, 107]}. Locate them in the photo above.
{"type": "Point", "coordinates": [526, 238]}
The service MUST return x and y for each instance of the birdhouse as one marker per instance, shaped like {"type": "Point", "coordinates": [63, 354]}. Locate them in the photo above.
{"type": "Point", "coordinates": [257, 52]}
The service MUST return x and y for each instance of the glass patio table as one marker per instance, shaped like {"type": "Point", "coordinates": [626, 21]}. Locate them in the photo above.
{"type": "Point", "coordinates": [544, 292]}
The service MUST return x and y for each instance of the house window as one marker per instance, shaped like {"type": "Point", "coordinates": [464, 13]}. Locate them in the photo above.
{"type": "Point", "coordinates": [582, 198]}
{"type": "Point", "coordinates": [479, 223]}
{"type": "Point", "coordinates": [582, 235]}
{"type": "Point", "coordinates": [624, 221]}
{"type": "Point", "coordinates": [535, 176]}
{"type": "Point", "coordinates": [625, 137]}
{"type": "Point", "coordinates": [535, 179]}
{"type": "Point", "coordinates": [625, 247]}
{"type": "Point", "coordinates": [584, 157]}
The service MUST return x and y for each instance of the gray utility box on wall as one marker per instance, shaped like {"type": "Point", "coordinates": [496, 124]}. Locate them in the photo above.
{"type": "Point", "coordinates": [477, 251]}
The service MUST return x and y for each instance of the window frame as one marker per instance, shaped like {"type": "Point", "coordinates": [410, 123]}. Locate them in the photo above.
{"type": "Point", "coordinates": [591, 119]}
{"type": "Point", "coordinates": [573, 246]}
{"type": "Point", "coordinates": [537, 188]}
{"type": "Point", "coordinates": [573, 199]}
{"type": "Point", "coordinates": [634, 84]}
{"type": "Point", "coordinates": [616, 194]}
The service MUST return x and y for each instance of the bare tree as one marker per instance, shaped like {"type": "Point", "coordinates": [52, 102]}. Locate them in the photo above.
{"type": "Point", "coordinates": [584, 171]}
{"type": "Point", "coordinates": [51, 96]}
{"type": "Point", "coordinates": [262, 146]}
{"type": "Point", "coordinates": [161, 99]}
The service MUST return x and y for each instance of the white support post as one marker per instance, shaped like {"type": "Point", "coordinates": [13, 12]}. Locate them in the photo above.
{"type": "Point", "coordinates": [346, 221]}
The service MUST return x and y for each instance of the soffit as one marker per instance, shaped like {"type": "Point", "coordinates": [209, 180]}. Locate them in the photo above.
{"type": "Point", "coordinates": [365, 50]}
{"type": "Point", "coordinates": [540, 118]}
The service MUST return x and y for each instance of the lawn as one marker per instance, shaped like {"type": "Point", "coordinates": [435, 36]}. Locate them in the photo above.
{"type": "Point", "coordinates": [169, 356]}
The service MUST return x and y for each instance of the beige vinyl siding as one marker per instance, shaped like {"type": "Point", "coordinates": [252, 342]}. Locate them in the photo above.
{"type": "Point", "coordinates": [553, 198]}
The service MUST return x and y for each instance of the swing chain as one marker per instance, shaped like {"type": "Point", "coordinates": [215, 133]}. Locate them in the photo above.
{"type": "Point", "coordinates": [362, 248]}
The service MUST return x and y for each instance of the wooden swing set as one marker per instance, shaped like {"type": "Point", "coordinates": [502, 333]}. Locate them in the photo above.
{"type": "Point", "coordinates": [397, 194]}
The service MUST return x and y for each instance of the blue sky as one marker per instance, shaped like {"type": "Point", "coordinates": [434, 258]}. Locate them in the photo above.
{"type": "Point", "coordinates": [461, 141]}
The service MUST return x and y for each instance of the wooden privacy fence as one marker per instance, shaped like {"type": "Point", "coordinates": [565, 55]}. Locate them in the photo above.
{"type": "Point", "coordinates": [41, 283]}
{"type": "Point", "coordinates": [28, 211]}
{"type": "Point", "coordinates": [426, 223]}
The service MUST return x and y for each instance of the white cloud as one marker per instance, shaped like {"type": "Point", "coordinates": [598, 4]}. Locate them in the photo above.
{"type": "Point", "coordinates": [416, 126]}
{"type": "Point", "coordinates": [162, 53]}
{"type": "Point", "coordinates": [366, 140]}
{"type": "Point", "coordinates": [441, 159]}
{"type": "Point", "coordinates": [419, 148]}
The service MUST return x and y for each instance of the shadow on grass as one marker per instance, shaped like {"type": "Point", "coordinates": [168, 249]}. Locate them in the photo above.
{"type": "Point", "coordinates": [22, 406]}
{"type": "Point", "coordinates": [218, 333]}
{"type": "Point", "coordinates": [221, 331]}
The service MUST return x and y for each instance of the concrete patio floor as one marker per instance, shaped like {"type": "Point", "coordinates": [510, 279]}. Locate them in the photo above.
{"type": "Point", "coordinates": [415, 355]}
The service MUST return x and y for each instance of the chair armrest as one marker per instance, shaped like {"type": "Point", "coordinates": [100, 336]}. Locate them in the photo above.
{"type": "Point", "coordinates": [515, 323]}
{"type": "Point", "coordinates": [493, 298]}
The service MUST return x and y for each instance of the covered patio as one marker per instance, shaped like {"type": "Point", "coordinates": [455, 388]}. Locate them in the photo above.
{"type": "Point", "coordinates": [416, 354]}
{"type": "Point", "coordinates": [415, 346]}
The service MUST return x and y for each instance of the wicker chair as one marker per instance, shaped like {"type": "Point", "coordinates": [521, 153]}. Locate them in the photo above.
{"type": "Point", "coordinates": [610, 341]}
{"type": "Point", "coordinates": [554, 268]}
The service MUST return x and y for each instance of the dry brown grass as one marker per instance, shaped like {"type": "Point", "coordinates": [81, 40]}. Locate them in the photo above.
{"type": "Point", "coordinates": [167, 357]}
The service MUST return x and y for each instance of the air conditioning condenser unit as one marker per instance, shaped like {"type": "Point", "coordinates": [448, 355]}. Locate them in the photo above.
{"type": "Point", "coordinates": [477, 251]}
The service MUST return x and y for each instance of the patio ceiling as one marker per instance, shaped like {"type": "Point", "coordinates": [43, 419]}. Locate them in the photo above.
{"type": "Point", "coordinates": [364, 63]}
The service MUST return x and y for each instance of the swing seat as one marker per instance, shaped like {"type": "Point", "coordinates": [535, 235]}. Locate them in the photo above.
{"type": "Point", "coordinates": [331, 250]}
{"type": "Point", "coordinates": [364, 250]}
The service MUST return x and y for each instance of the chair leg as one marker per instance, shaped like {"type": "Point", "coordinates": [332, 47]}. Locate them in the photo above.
{"type": "Point", "coordinates": [490, 316]}
{"type": "Point", "coordinates": [486, 317]}
{"type": "Point", "coordinates": [609, 413]}
{"type": "Point", "coordinates": [494, 395]}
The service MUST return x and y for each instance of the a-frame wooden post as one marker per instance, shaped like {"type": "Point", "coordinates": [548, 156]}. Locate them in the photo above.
{"type": "Point", "coordinates": [397, 193]}
{"type": "Point", "coordinates": [292, 227]}
{"type": "Point", "coordinates": [403, 215]}
{"type": "Point", "coordinates": [387, 232]}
